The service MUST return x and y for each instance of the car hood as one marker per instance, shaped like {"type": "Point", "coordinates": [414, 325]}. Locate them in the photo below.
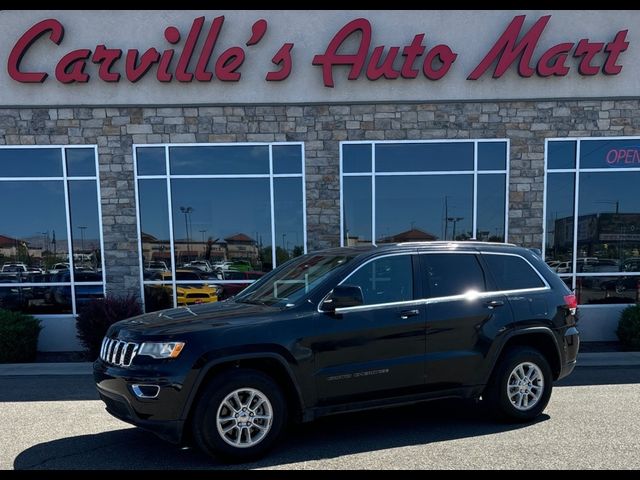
{"type": "Point", "coordinates": [191, 319]}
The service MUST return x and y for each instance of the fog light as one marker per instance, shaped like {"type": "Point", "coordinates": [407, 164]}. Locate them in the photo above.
{"type": "Point", "coordinates": [145, 391]}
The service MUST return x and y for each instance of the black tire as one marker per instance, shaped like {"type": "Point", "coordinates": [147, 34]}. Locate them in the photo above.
{"type": "Point", "coordinates": [204, 422]}
{"type": "Point", "coordinates": [495, 395]}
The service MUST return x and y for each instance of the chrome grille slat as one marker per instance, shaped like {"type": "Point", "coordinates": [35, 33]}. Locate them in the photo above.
{"type": "Point", "coordinates": [118, 352]}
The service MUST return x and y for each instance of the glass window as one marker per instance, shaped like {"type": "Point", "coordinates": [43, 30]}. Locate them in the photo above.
{"type": "Point", "coordinates": [219, 160]}
{"type": "Point", "coordinates": [34, 224]}
{"type": "Point", "coordinates": [453, 274]}
{"type": "Point", "coordinates": [356, 205]}
{"type": "Point", "coordinates": [424, 191]}
{"type": "Point", "coordinates": [422, 208]}
{"type": "Point", "coordinates": [420, 157]}
{"type": "Point", "coordinates": [81, 162]}
{"type": "Point", "coordinates": [154, 227]}
{"type": "Point", "coordinates": [385, 280]}
{"type": "Point", "coordinates": [492, 155]}
{"type": "Point", "coordinates": [289, 221]}
{"type": "Point", "coordinates": [559, 221]}
{"type": "Point", "coordinates": [512, 273]}
{"type": "Point", "coordinates": [356, 158]}
{"type": "Point", "coordinates": [596, 290]}
{"type": "Point", "coordinates": [287, 159]}
{"type": "Point", "coordinates": [491, 203]}
{"type": "Point", "coordinates": [151, 161]}
{"type": "Point", "coordinates": [610, 154]}
{"type": "Point", "coordinates": [30, 162]}
{"type": "Point", "coordinates": [561, 154]}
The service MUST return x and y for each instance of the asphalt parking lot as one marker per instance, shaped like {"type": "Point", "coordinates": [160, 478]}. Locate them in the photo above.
{"type": "Point", "coordinates": [56, 422]}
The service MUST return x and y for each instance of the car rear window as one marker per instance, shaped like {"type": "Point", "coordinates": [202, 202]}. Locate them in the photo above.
{"type": "Point", "coordinates": [453, 274]}
{"type": "Point", "coordinates": [512, 272]}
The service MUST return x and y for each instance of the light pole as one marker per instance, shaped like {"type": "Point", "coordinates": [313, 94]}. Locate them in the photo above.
{"type": "Point", "coordinates": [283, 236]}
{"type": "Point", "coordinates": [203, 232]}
{"type": "Point", "coordinates": [82, 229]}
{"type": "Point", "coordinates": [454, 220]}
{"type": "Point", "coordinates": [187, 211]}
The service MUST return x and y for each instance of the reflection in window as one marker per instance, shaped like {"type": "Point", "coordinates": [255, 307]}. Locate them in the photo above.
{"type": "Point", "coordinates": [453, 274]}
{"type": "Point", "coordinates": [385, 280]}
{"type": "Point", "coordinates": [229, 206]}
{"type": "Point", "coordinates": [424, 191]}
{"type": "Point", "coordinates": [34, 221]}
{"type": "Point", "coordinates": [608, 219]}
{"type": "Point", "coordinates": [512, 273]}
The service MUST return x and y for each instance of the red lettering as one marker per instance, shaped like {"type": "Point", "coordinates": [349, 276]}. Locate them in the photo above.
{"type": "Point", "coordinates": [331, 56]}
{"type": "Point", "coordinates": [506, 50]}
{"type": "Point", "coordinates": [182, 75]}
{"type": "Point", "coordinates": [227, 64]}
{"type": "Point", "coordinates": [552, 61]}
{"type": "Point", "coordinates": [257, 32]}
{"type": "Point", "coordinates": [134, 70]}
{"type": "Point", "coordinates": [446, 56]}
{"type": "Point", "coordinates": [375, 71]}
{"type": "Point", "coordinates": [282, 56]}
{"type": "Point", "coordinates": [612, 159]}
{"type": "Point", "coordinates": [172, 34]}
{"type": "Point", "coordinates": [614, 49]}
{"type": "Point", "coordinates": [106, 57]}
{"type": "Point", "coordinates": [70, 68]}
{"type": "Point", "coordinates": [629, 154]}
{"type": "Point", "coordinates": [25, 41]}
{"type": "Point", "coordinates": [587, 50]}
{"type": "Point", "coordinates": [202, 75]}
{"type": "Point", "coordinates": [412, 52]}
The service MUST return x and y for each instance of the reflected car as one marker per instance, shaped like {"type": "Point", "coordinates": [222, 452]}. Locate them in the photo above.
{"type": "Point", "coordinates": [621, 284]}
{"type": "Point", "coordinates": [187, 294]}
{"type": "Point", "coordinates": [231, 289]}
{"type": "Point", "coordinates": [563, 267]}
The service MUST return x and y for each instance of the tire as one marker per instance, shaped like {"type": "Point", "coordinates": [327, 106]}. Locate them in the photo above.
{"type": "Point", "coordinates": [219, 401]}
{"type": "Point", "coordinates": [527, 401]}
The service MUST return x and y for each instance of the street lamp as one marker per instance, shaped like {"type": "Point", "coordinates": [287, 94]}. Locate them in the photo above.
{"type": "Point", "coordinates": [203, 232]}
{"type": "Point", "coordinates": [187, 211]}
{"type": "Point", "coordinates": [82, 229]}
{"type": "Point", "coordinates": [283, 236]}
{"type": "Point", "coordinates": [454, 220]}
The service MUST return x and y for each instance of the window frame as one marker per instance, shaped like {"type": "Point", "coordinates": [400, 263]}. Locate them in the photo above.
{"type": "Point", "coordinates": [168, 176]}
{"type": "Point", "coordinates": [373, 174]}
{"type": "Point", "coordinates": [65, 179]}
{"type": "Point", "coordinates": [576, 171]}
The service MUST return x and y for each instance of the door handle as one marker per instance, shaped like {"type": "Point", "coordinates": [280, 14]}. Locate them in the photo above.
{"type": "Point", "coordinates": [491, 304]}
{"type": "Point", "coordinates": [409, 313]}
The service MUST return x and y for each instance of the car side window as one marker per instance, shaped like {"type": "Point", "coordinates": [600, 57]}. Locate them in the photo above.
{"type": "Point", "coordinates": [512, 273]}
{"type": "Point", "coordinates": [385, 280]}
{"type": "Point", "coordinates": [453, 274]}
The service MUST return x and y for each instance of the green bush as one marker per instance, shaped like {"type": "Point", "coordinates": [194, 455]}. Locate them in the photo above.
{"type": "Point", "coordinates": [97, 315]}
{"type": "Point", "coordinates": [18, 337]}
{"type": "Point", "coordinates": [629, 327]}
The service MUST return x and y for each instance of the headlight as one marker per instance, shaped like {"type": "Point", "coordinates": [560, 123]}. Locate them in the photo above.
{"type": "Point", "coordinates": [161, 349]}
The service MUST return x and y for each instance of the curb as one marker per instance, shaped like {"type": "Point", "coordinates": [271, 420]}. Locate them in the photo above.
{"type": "Point", "coordinates": [600, 359]}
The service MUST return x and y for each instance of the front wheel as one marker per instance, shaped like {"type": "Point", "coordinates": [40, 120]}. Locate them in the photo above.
{"type": "Point", "coordinates": [240, 415]}
{"type": "Point", "coordinates": [520, 387]}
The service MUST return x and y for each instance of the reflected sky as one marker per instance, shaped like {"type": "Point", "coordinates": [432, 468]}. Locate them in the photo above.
{"type": "Point", "coordinates": [606, 191]}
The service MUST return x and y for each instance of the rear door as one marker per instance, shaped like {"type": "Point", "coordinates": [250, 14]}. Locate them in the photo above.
{"type": "Point", "coordinates": [463, 317]}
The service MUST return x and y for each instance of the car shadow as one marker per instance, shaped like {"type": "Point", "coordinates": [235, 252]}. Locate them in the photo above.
{"type": "Point", "coordinates": [326, 438]}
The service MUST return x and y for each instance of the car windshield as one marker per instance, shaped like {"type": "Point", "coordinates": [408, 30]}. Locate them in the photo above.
{"type": "Point", "coordinates": [293, 280]}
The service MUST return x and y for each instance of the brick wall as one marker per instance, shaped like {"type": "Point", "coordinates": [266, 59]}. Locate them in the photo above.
{"type": "Point", "coordinates": [321, 128]}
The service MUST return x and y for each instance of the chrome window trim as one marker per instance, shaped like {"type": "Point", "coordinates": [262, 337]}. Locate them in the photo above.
{"type": "Point", "coordinates": [448, 298]}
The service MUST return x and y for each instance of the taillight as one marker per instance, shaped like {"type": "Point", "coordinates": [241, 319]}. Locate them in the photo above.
{"type": "Point", "coordinates": [571, 302]}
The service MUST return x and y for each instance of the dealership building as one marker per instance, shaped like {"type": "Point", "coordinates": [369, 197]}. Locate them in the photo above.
{"type": "Point", "coordinates": [157, 153]}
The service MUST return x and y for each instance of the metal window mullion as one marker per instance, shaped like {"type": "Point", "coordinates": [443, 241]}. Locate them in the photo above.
{"type": "Point", "coordinates": [99, 194]}
{"type": "Point", "coordinates": [170, 214]}
{"type": "Point", "coordinates": [474, 213]}
{"type": "Point", "coordinates": [136, 192]}
{"type": "Point", "coordinates": [272, 205]}
{"type": "Point", "coordinates": [576, 194]}
{"type": "Point", "coordinates": [544, 203]}
{"type": "Point", "coordinates": [304, 200]}
{"type": "Point", "coordinates": [69, 239]}
{"type": "Point", "coordinates": [373, 194]}
{"type": "Point", "coordinates": [506, 191]}
{"type": "Point", "coordinates": [342, 219]}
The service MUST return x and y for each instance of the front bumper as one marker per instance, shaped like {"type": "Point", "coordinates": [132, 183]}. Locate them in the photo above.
{"type": "Point", "coordinates": [161, 415]}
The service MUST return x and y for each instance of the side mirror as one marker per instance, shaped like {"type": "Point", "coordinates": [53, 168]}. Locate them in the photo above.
{"type": "Point", "coordinates": [343, 296]}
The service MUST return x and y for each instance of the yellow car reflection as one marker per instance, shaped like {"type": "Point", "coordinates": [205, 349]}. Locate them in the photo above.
{"type": "Point", "coordinates": [188, 294]}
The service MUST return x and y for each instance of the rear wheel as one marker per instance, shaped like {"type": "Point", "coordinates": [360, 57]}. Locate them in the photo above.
{"type": "Point", "coordinates": [520, 387]}
{"type": "Point", "coordinates": [240, 415]}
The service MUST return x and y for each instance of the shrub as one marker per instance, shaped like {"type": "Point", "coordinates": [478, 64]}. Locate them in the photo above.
{"type": "Point", "coordinates": [629, 327]}
{"type": "Point", "coordinates": [97, 315]}
{"type": "Point", "coordinates": [18, 337]}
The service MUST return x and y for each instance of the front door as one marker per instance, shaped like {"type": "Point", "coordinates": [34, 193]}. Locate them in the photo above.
{"type": "Point", "coordinates": [376, 349]}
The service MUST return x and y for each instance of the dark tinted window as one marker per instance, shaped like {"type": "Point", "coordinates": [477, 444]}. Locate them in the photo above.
{"type": "Point", "coordinates": [421, 157]}
{"type": "Point", "coordinates": [151, 161]}
{"type": "Point", "coordinates": [81, 162]}
{"type": "Point", "coordinates": [219, 160]}
{"type": "Point", "coordinates": [512, 273]}
{"type": "Point", "coordinates": [561, 154]}
{"type": "Point", "coordinates": [387, 279]}
{"type": "Point", "coordinates": [492, 155]}
{"type": "Point", "coordinates": [287, 159]}
{"type": "Point", "coordinates": [453, 274]}
{"type": "Point", "coordinates": [356, 158]}
{"type": "Point", "coordinates": [31, 162]}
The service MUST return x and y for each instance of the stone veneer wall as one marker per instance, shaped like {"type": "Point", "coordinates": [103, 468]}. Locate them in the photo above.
{"type": "Point", "coordinates": [321, 128]}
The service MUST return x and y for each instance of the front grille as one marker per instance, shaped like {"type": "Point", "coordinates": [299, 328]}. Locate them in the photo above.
{"type": "Point", "coordinates": [197, 295]}
{"type": "Point", "coordinates": [118, 352]}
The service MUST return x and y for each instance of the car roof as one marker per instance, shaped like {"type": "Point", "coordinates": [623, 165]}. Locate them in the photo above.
{"type": "Point", "coordinates": [433, 245]}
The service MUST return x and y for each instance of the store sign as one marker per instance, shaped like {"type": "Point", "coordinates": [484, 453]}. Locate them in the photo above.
{"type": "Point", "coordinates": [516, 46]}
{"type": "Point", "coordinates": [623, 157]}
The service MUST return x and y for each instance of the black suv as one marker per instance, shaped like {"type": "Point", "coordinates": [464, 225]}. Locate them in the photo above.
{"type": "Point", "coordinates": [342, 330]}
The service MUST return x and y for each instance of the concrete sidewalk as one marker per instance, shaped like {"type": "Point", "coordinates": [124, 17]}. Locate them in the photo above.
{"type": "Point", "coordinates": [600, 359]}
